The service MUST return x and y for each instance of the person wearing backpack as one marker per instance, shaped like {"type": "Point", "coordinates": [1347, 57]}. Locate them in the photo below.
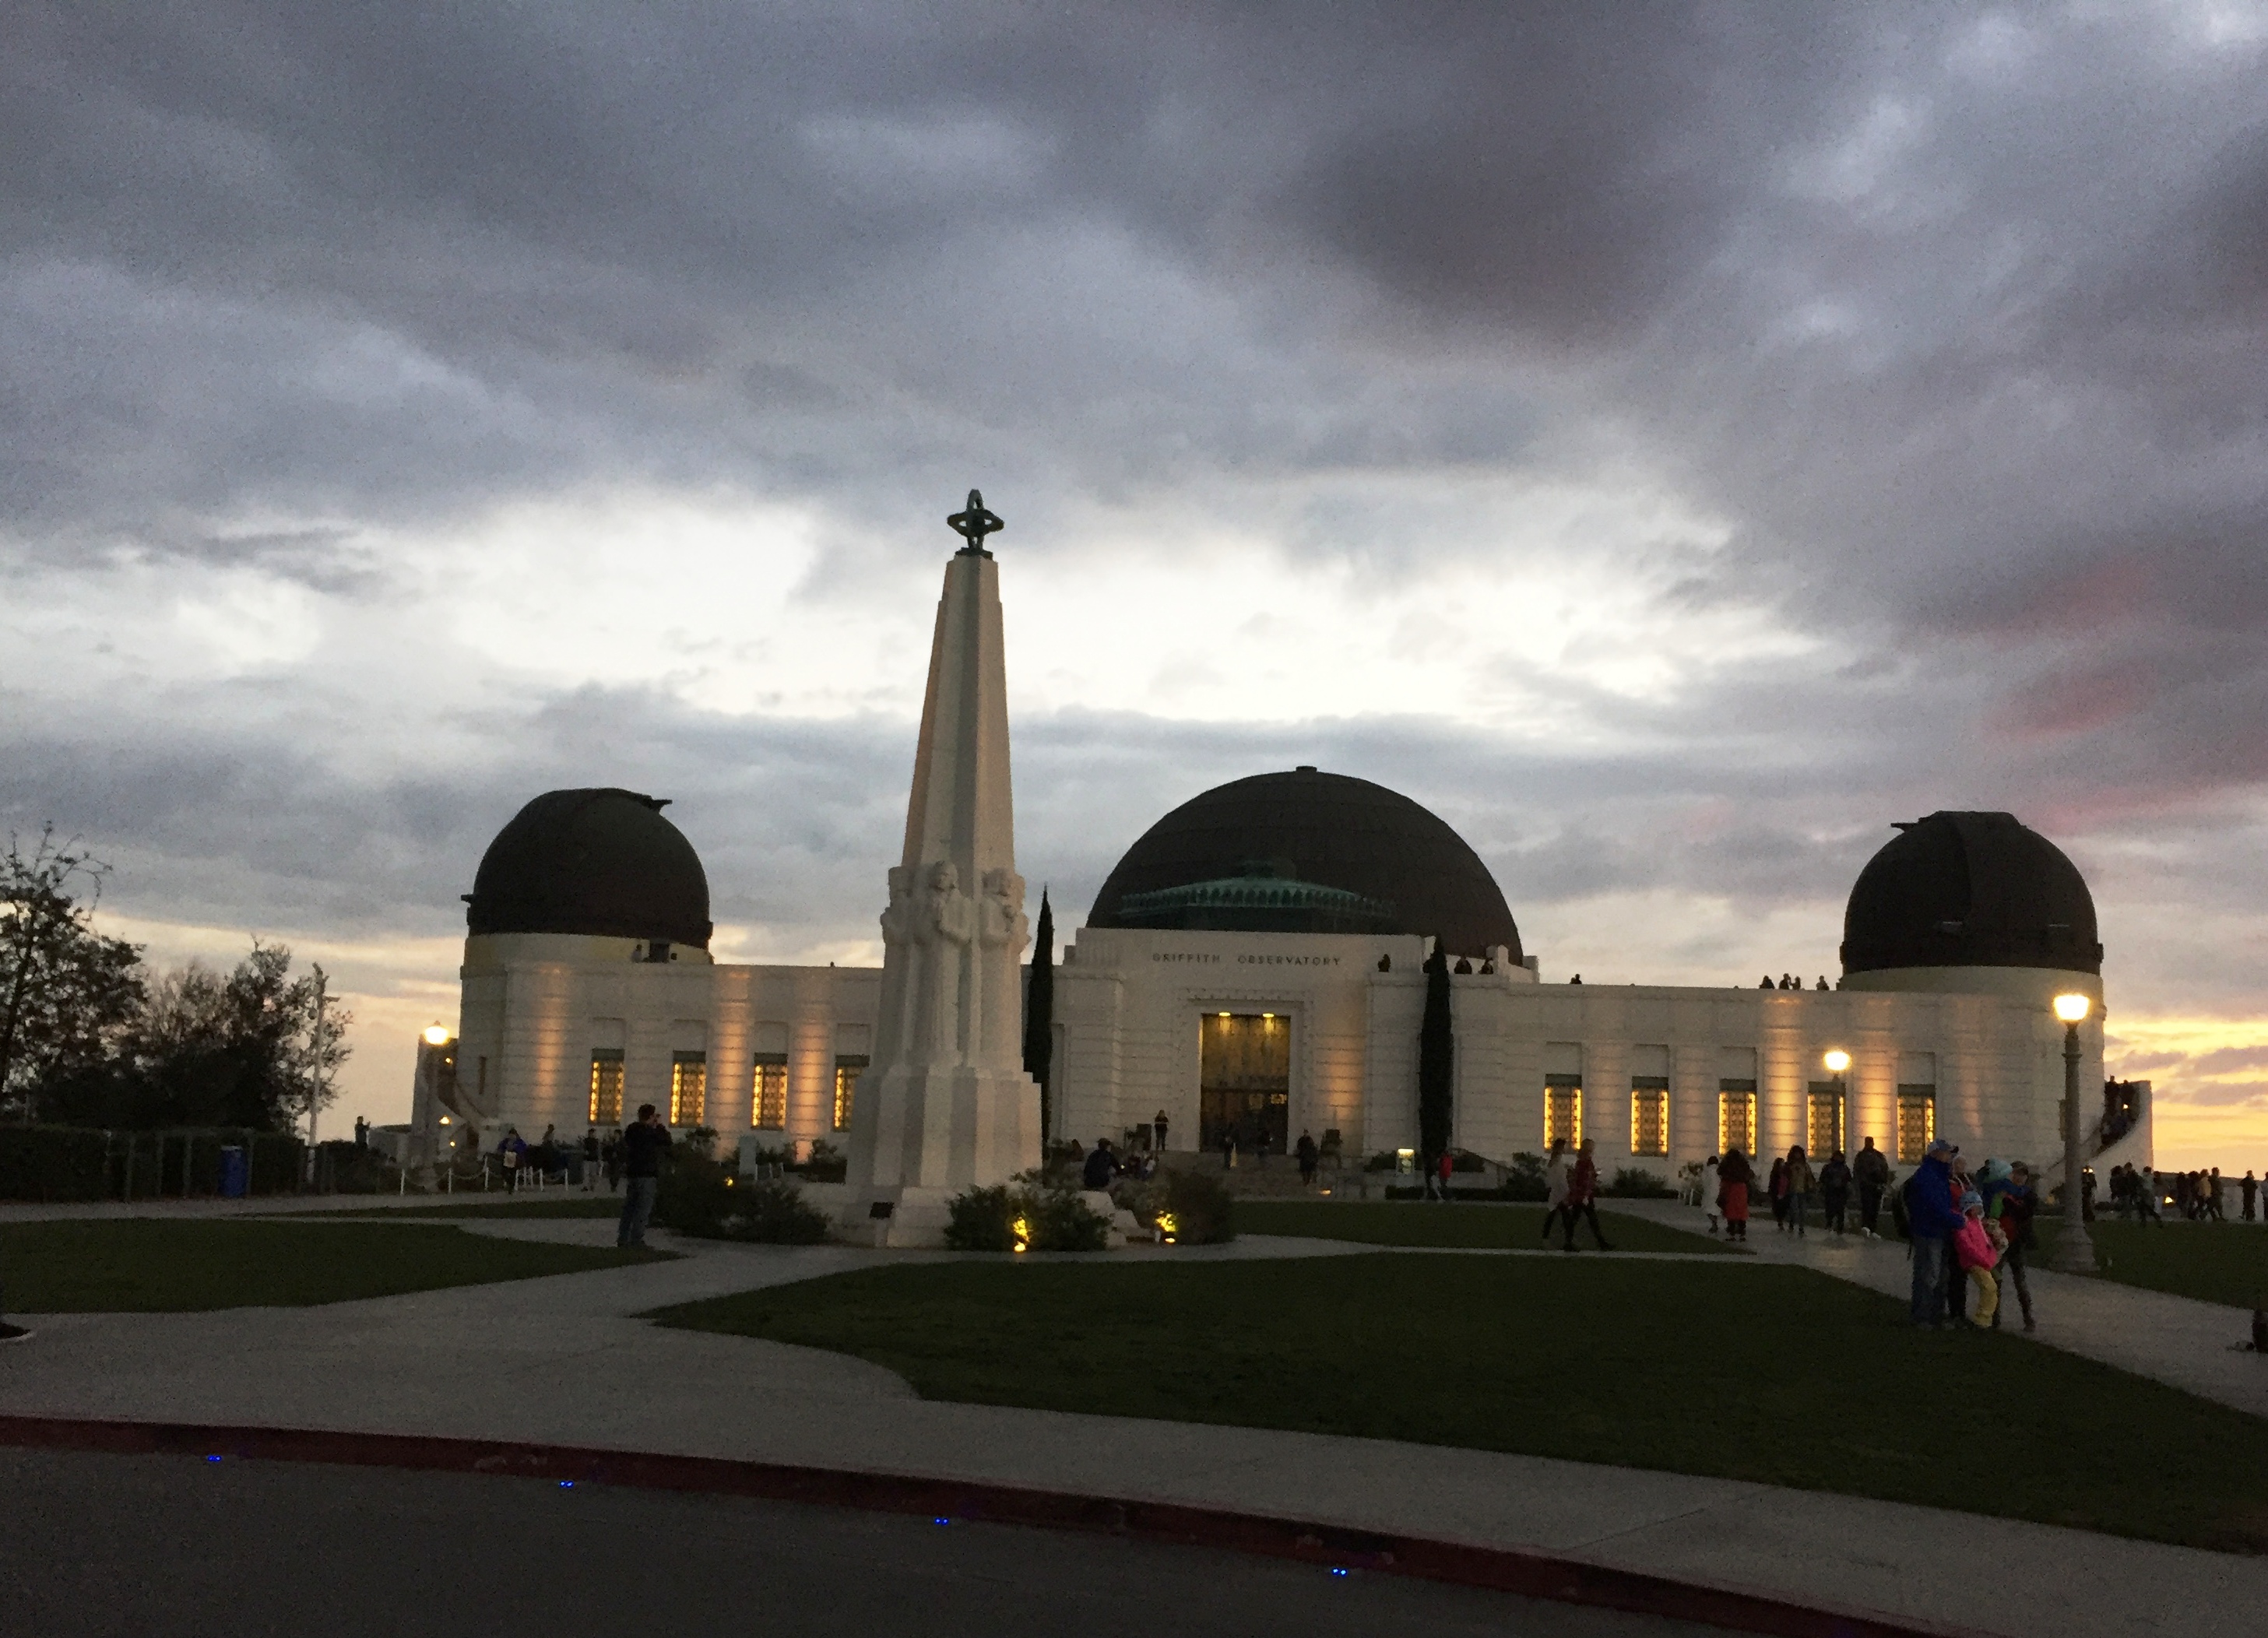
{"type": "Point", "coordinates": [1797, 1183]}
{"type": "Point", "coordinates": [1835, 1190]}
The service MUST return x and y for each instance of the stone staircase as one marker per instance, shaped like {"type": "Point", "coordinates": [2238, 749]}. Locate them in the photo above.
{"type": "Point", "coordinates": [1278, 1179]}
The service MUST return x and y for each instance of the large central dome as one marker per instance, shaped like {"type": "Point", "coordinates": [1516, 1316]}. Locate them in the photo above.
{"type": "Point", "coordinates": [1308, 852]}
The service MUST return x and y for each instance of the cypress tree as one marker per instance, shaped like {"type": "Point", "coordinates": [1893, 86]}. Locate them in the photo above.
{"type": "Point", "coordinates": [1436, 1057]}
{"type": "Point", "coordinates": [1040, 1011]}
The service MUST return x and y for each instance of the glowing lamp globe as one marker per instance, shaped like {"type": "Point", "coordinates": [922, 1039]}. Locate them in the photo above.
{"type": "Point", "coordinates": [2072, 1009]}
{"type": "Point", "coordinates": [437, 1035]}
{"type": "Point", "coordinates": [1838, 1060]}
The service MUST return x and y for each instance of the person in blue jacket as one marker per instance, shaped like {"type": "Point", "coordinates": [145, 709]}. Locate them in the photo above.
{"type": "Point", "coordinates": [1933, 1219]}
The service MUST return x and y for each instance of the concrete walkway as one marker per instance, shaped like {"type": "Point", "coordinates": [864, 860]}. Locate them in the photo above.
{"type": "Point", "coordinates": [562, 1360]}
{"type": "Point", "coordinates": [2178, 1340]}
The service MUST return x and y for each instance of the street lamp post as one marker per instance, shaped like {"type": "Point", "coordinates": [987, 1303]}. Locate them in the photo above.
{"type": "Point", "coordinates": [2074, 1251]}
{"type": "Point", "coordinates": [1838, 1064]}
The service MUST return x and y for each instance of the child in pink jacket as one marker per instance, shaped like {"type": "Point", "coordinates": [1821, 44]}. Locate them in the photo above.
{"type": "Point", "coordinates": [1973, 1244]}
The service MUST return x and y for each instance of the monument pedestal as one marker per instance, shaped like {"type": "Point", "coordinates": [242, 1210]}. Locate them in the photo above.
{"type": "Point", "coordinates": [910, 1218]}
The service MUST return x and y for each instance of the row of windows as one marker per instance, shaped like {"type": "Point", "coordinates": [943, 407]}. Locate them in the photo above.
{"type": "Point", "coordinates": [1824, 1110]}
{"type": "Point", "coordinates": [689, 1089]}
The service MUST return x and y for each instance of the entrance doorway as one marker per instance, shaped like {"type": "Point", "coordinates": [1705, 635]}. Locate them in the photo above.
{"type": "Point", "coordinates": [1244, 1084]}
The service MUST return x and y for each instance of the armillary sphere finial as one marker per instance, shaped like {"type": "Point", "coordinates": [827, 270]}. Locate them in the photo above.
{"type": "Point", "coordinates": [974, 525]}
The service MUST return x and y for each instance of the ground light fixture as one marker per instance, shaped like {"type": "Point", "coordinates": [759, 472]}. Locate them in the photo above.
{"type": "Point", "coordinates": [2074, 1251]}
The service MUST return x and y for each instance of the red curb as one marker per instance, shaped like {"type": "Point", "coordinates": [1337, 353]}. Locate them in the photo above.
{"type": "Point", "coordinates": [1499, 1569]}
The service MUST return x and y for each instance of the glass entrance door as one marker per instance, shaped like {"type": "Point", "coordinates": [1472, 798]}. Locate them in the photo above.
{"type": "Point", "coordinates": [1245, 1088]}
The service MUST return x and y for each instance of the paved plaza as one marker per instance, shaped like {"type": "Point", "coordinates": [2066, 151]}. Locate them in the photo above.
{"type": "Point", "coordinates": [563, 1360]}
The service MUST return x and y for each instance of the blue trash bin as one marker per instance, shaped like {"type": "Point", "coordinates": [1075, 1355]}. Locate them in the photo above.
{"type": "Point", "coordinates": [235, 1171]}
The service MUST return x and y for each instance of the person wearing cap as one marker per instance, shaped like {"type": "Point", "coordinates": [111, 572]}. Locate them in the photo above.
{"type": "Point", "coordinates": [1933, 1222]}
{"type": "Point", "coordinates": [1972, 1245]}
{"type": "Point", "coordinates": [2012, 1209]}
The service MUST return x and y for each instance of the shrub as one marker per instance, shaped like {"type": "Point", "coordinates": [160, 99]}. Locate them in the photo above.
{"type": "Point", "coordinates": [773, 1213]}
{"type": "Point", "coordinates": [701, 1197]}
{"type": "Point", "coordinates": [1523, 1177]}
{"type": "Point", "coordinates": [1637, 1183]}
{"type": "Point", "coordinates": [693, 1197]}
{"type": "Point", "coordinates": [53, 1163]}
{"type": "Point", "coordinates": [1200, 1209]}
{"type": "Point", "coordinates": [1060, 1221]}
{"type": "Point", "coordinates": [1051, 1220]}
{"type": "Point", "coordinates": [981, 1219]}
{"type": "Point", "coordinates": [826, 1163]}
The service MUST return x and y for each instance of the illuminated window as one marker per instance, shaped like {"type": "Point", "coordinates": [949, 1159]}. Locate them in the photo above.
{"type": "Point", "coordinates": [1736, 1117]}
{"type": "Point", "coordinates": [688, 1087]}
{"type": "Point", "coordinates": [1563, 1110]}
{"type": "Point", "coordinates": [1823, 1128]}
{"type": "Point", "coordinates": [1649, 1114]}
{"type": "Point", "coordinates": [1916, 1119]}
{"type": "Point", "coordinates": [767, 1096]}
{"type": "Point", "coordinates": [605, 1087]}
{"type": "Point", "coordinates": [847, 1069]}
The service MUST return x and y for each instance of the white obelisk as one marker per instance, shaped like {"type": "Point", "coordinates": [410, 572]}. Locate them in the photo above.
{"type": "Point", "coordinates": [948, 1107]}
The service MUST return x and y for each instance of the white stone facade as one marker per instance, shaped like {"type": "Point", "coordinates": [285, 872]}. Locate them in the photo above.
{"type": "Point", "coordinates": [538, 1008]}
{"type": "Point", "coordinates": [1128, 1006]}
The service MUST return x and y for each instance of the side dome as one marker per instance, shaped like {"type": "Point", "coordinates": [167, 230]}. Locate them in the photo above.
{"type": "Point", "coordinates": [1307, 852]}
{"type": "Point", "coordinates": [1969, 889]}
{"type": "Point", "coordinates": [603, 863]}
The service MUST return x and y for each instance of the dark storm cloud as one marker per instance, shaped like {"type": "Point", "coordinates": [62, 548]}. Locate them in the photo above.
{"type": "Point", "coordinates": [1954, 319]}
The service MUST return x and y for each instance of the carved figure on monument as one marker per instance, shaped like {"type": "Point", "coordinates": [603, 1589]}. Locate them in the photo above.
{"type": "Point", "coordinates": [949, 928]}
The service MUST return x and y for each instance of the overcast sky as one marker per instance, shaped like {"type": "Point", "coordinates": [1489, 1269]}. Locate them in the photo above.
{"type": "Point", "coordinates": [1673, 443]}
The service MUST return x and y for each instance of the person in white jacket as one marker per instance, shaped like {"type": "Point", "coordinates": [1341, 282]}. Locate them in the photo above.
{"type": "Point", "coordinates": [1555, 1188]}
{"type": "Point", "coordinates": [1708, 1191]}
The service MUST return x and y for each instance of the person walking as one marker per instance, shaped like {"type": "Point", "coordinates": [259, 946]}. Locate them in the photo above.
{"type": "Point", "coordinates": [1159, 1126]}
{"type": "Point", "coordinates": [1307, 1153]}
{"type": "Point", "coordinates": [1445, 1167]}
{"type": "Point", "coordinates": [2013, 1208]}
{"type": "Point", "coordinates": [1798, 1184]}
{"type": "Point", "coordinates": [1735, 1176]}
{"type": "Point", "coordinates": [2212, 1200]}
{"type": "Point", "coordinates": [1583, 1197]}
{"type": "Point", "coordinates": [2248, 1188]}
{"type": "Point", "coordinates": [1555, 1186]}
{"type": "Point", "coordinates": [511, 1150]}
{"type": "Point", "coordinates": [1972, 1245]}
{"type": "Point", "coordinates": [1933, 1222]}
{"type": "Point", "coordinates": [1872, 1173]}
{"type": "Point", "coordinates": [643, 1146]}
{"type": "Point", "coordinates": [1259, 1147]}
{"type": "Point", "coordinates": [590, 1148]}
{"type": "Point", "coordinates": [1776, 1188]}
{"type": "Point", "coordinates": [610, 1156]}
{"type": "Point", "coordinates": [1835, 1190]}
{"type": "Point", "coordinates": [1710, 1182]}
{"type": "Point", "coordinates": [1228, 1148]}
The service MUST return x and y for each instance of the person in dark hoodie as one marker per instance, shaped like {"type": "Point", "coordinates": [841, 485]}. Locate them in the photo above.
{"type": "Point", "coordinates": [1933, 1221]}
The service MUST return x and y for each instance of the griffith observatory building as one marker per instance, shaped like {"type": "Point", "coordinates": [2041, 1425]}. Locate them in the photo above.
{"type": "Point", "coordinates": [1254, 964]}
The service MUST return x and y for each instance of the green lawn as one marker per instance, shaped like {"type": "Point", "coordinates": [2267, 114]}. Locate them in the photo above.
{"type": "Point", "coordinates": [157, 1266]}
{"type": "Point", "coordinates": [2215, 1262]}
{"type": "Point", "coordinates": [1766, 1373]}
{"type": "Point", "coordinates": [1419, 1222]}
